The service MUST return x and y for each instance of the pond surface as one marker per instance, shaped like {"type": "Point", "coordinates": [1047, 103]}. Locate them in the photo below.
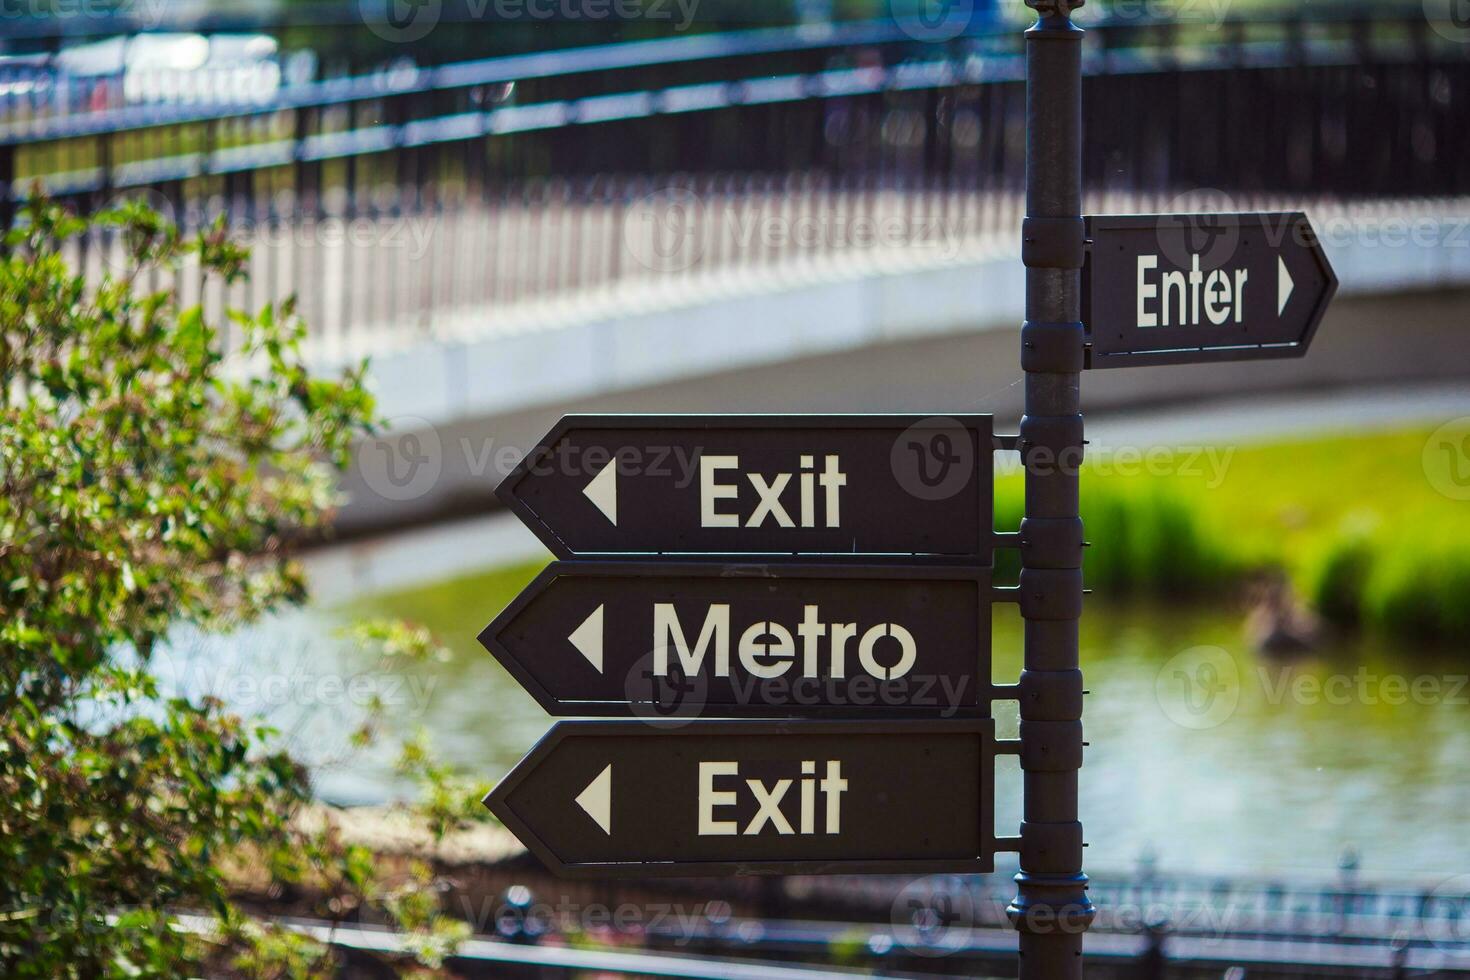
{"type": "Point", "coordinates": [1204, 754]}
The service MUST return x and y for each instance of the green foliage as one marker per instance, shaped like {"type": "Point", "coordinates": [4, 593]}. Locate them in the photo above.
{"type": "Point", "coordinates": [279, 953]}
{"type": "Point", "coordinates": [1148, 538]}
{"type": "Point", "coordinates": [1335, 578]}
{"type": "Point", "coordinates": [1172, 548]}
{"type": "Point", "coordinates": [1358, 524]}
{"type": "Point", "coordinates": [447, 800]}
{"type": "Point", "coordinates": [1354, 521]}
{"type": "Point", "coordinates": [156, 469]}
{"type": "Point", "coordinates": [849, 948]}
{"type": "Point", "coordinates": [397, 639]}
{"type": "Point", "coordinates": [1420, 592]}
{"type": "Point", "coordinates": [414, 905]}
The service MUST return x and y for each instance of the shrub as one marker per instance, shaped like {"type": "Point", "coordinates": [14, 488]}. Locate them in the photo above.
{"type": "Point", "coordinates": [154, 478]}
{"type": "Point", "coordinates": [1419, 589]}
{"type": "Point", "coordinates": [1335, 579]}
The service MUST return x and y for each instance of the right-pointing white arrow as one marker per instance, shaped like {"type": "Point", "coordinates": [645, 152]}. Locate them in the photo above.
{"type": "Point", "coordinates": [603, 491]}
{"type": "Point", "coordinates": [1284, 286]}
{"type": "Point", "coordinates": [587, 638]}
{"type": "Point", "coordinates": [596, 800]}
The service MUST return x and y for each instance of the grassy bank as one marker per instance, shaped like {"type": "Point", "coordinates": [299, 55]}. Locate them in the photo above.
{"type": "Point", "coordinates": [1356, 523]}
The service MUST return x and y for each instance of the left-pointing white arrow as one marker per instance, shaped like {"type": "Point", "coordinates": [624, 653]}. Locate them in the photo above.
{"type": "Point", "coordinates": [603, 491]}
{"type": "Point", "coordinates": [596, 800]}
{"type": "Point", "coordinates": [587, 638]}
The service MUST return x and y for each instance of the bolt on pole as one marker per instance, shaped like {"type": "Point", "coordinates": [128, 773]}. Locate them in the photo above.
{"type": "Point", "coordinates": [1051, 910]}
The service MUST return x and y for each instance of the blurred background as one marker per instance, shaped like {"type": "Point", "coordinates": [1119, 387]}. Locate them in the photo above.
{"type": "Point", "coordinates": [522, 208]}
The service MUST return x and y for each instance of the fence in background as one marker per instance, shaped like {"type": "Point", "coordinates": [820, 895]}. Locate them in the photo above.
{"type": "Point", "coordinates": [1358, 105]}
{"type": "Point", "coordinates": [1156, 926]}
{"type": "Point", "coordinates": [400, 203]}
{"type": "Point", "coordinates": [537, 254]}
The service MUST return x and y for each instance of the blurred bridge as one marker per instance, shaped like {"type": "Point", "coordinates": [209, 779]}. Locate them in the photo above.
{"type": "Point", "coordinates": [784, 219]}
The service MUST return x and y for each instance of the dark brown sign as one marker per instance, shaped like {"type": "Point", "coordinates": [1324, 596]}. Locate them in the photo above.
{"type": "Point", "coordinates": [684, 640]}
{"type": "Point", "coordinates": [1193, 288]}
{"type": "Point", "coordinates": [832, 488]}
{"type": "Point", "coordinates": [626, 799]}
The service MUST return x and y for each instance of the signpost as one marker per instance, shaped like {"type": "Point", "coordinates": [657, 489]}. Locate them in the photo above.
{"type": "Point", "coordinates": [841, 487]}
{"type": "Point", "coordinates": [621, 799]}
{"type": "Point", "coordinates": [662, 639]}
{"type": "Point", "coordinates": [839, 567]}
{"type": "Point", "coordinates": [1051, 910]}
{"type": "Point", "coordinates": [1192, 288]}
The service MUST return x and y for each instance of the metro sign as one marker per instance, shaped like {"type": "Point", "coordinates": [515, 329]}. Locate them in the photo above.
{"type": "Point", "coordinates": [689, 639]}
{"type": "Point", "coordinates": [626, 799]}
{"type": "Point", "coordinates": [1184, 289]}
{"type": "Point", "coordinates": [826, 487]}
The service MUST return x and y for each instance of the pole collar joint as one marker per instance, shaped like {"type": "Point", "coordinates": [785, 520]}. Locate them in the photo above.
{"type": "Point", "coordinates": [1053, 243]}
{"type": "Point", "coordinates": [1051, 443]}
{"type": "Point", "coordinates": [1053, 348]}
{"type": "Point", "coordinates": [1055, 542]}
{"type": "Point", "coordinates": [1051, 905]}
{"type": "Point", "coordinates": [1050, 695]}
{"type": "Point", "coordinates": [1051, 746]}
{"type": "Point", "coordinates": [1051, 594]}
{"type": "Point", "coordinates": [1051, 848]}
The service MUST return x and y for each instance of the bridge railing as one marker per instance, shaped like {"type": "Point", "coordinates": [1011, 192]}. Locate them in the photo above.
{"type": "Point", "coordinates": [863, 97]}
{"type": "Point", "coordinates": [541, 76]}
{"type": "Point", "coordinates": [397, 219]}
{"type": "Point", "coordinates": [538, 255]}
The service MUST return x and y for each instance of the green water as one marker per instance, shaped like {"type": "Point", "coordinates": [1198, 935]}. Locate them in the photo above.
{"type": "Point", "coordinates": [1203, 752]}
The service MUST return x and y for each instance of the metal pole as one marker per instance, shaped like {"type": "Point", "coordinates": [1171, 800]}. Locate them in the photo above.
{"type": "Point", "coordinates": [7, 189]}
{"type": "Point", "coordinates": [1051, 910]}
